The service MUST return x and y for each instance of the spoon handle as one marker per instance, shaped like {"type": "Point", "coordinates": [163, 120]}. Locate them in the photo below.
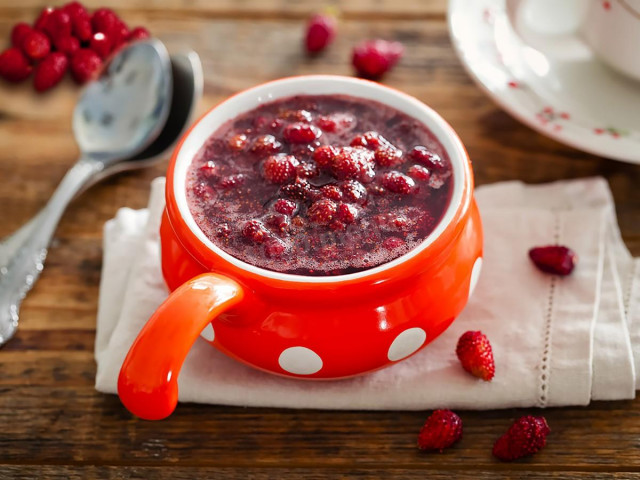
{"type": "Point", "coordinates": [22, 254]}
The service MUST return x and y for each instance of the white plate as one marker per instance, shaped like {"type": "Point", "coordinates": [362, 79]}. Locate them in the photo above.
{"type": "Point", "coordinates": [574, 99]}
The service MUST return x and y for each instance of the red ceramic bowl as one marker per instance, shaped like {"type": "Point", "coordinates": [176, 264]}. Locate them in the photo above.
{"type": "Point", "coordinates": [300, 326]}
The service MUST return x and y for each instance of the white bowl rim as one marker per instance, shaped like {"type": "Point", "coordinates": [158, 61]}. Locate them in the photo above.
{"type": "Point", "coordinates": [320, 85]}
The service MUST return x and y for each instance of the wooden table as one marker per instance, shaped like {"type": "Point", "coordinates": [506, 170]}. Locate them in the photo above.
{"type": "Point", "coordinates": [53, 424]}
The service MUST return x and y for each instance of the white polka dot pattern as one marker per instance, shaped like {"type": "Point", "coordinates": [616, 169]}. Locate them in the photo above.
{"type": "Point", "coordinates": [475, 275]}
{"type": "Point", "coordinates": [208, 333]}
{"type": "Point", "coordinates": [406, 343]}
{"type": "Point", "coordinates": [300, 361]}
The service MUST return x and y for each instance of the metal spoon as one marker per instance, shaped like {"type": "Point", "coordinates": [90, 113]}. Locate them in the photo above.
{"type": "Point", "coordinates": [23, 253]}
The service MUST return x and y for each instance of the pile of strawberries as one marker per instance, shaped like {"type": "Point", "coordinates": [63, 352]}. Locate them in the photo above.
{"type": "Point", "coordinates": [61, 39]}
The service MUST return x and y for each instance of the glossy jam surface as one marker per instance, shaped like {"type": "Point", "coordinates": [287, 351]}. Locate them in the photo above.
{"type": "Point", "coordinates": [319, 185]}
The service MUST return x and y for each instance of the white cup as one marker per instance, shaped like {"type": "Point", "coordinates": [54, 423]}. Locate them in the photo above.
{"type": "Point", "coordinates": [610, 29]}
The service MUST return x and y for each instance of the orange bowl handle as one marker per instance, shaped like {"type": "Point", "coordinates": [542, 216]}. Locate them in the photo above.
{"type": "Point", "coordinates": [148, 381]}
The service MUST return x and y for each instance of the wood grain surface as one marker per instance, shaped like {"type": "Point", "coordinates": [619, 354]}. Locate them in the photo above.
{"type": "Point", "coordinates": [53, 424]}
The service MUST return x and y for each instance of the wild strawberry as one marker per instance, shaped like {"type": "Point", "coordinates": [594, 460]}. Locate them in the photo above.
{"type": "Point", "coordinates": [223, 231]}
{"type": "Point", "coordinates": [396, 182]}
{"type": "Point", "coordinates": [526, 436]}
{"type": "Point", "coordinates": [14, 66]}
{"type": "Point", "coordinates": [554, 259]}
{"type": "Point", "coordinates": [280, 168]}
{"type": "Point", "coordinates": [324, 156]}
{"type": "Point", "coordinates": [320, 32]}
{"type": "Point", "coordinates": [332, 192]}
{"type": "Point", "coordinates": [50, 71]}
{"type": "Point", "coordinates": [300, 190]}
{"type": "Point", "coordinates": [475, 355]}
{"type": "Point", "coordinates": [36, 45]}
{"type": "Point", "coordinates": [237, 142]}
{"type": "Point", "coordinates": [232, 181]}
{"type": "Point", "coordinates": [104, 20]}
{"type": "Point", "coordinates": [101, 44]}
{"type": "Point", "coordinates": [209, 169]}
{"type": "Point", "coordinates": [84, 65]}
{"type": "Point", "coordinates": [336, 122]}
{"type": "Point", "coordinates": [307, 170]}
{"type": "Point", "coordinates": [427, 158]}
{"type": "Point", "coordinates": [67, 45]}
{"type": "Point", "coordinates": [373, 58]}
{"type": "Point", "coordinates": [354, 191]}
{"type": "Point", "coordinates": [441, 430]}
{"type": "Point", "coordinates": [300, 133]}
{"type": "Point", "coordinates": [322, 211]}
{"type": "Point", "coordinates": [285, 206]}
{"type": "Point", "coordinates": [279, 221]}
{"type": "Point", "coordinates": [418, 172]}
{"type": "Point", "coordinates": [138, 33]}
{"type": "Point", "coordinates": [296, 115]}
{"type": "Point", "coordinates": [255, 231]}
{"type": "Point", "coordinates": [346, 213]}
{"type": "Point", "coordinates": [266, 145]}
{"type": "Point", "coordinates": [274, 248]}
{"type": "Point", "coordinates": [371, 140]}
{"type": "Point", "coordinates": [58, 24]}
{"type": "Point", "coordinates": [391, 243]}
{"type": "Point", "coordinates": [389, 156]}
{"type": "Point", "coordinates": [43, 19]}
{"type": "Point", "coordinates": [19, 31]}
{"type": "Point", "coordinates": [353, 163]}
{"type": "Point", "coordinates": [119, 34]}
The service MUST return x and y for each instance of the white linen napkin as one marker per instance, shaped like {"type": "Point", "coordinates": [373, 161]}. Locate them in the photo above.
{"type": "Point", "coordinates": [556, 341]}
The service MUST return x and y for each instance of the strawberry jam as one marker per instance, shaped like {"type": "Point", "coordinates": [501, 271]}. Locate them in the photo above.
{"type": "Point", "coordinates": [319, 185]}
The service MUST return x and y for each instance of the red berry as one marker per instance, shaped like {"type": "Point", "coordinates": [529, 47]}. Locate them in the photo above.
{"type": "Point", "coordinates": [285, 206]}
{"type": "Point", "coordinates": [58, 24]}
{"type": "Point", "coordinates": [554, 259]}
{"type": "Point", "coordinates": [346, 213]}
{"type": "Point", "coordinates": [279, 221]}
{"type": "Point", "coordinates": [396, 182]}
{"type": "Point", "coordinates": [353, 163]}
{"type": "Point", "coordinates": [300, 133]}
{"type": "Point", "coordinates": [391, 243]}
{"type": "Point", "coordinates": [138, 33]}
{"type": "Point", "coordinates": [336, 122]}
{"type": "Point", "coordinates": [427, 158]}
{"type": "Point", "coordinates": [526, 436]}
{"type": "Point", "coordinates": [354, 191]}
{"type": "Point", "coordinates": [299, 190]}
{"type": "Point", "coordinates": [84, 65]}
{"type": "Point", "coordinates": [14, 66]}
{"type": "Point", "coordinates": [419, 172]}
{"type": "Point", "coordinates": [324, 156]}
{"type": "Point", "coordinates": [67, 45]}
{"type": "Point", "coordinates": [296, 115]}
{"type": "Point", "coordinates": [237, 142]}
{"type": "Point", "coordinates": [74, 9]}
{"type": "Point", "coordinates": [275, 248]}
{"type": "Point", "coordinates": [307, 170]}
{"type": "Point", "coordinates": [232, 181]}
{"type": "Point", "coordinates": [280, 168]}
{"type": "Point", "coordinates": [50, 71]}
{"type": "Point", "coordinates": [101, 44]}
{"type": "Point", "coordinates": [373, 58]}
{"type": "Point", "coordinates": [266, 145]}
{"type": "Point", "coordinates": [120, 34]}
{"type": "Point", "coordinates": [223, 231]}
{"type": "Point", "coordinates": [441, 430]}
{"type": "Point", "coordinates": [320, 32]}
{"type": "Point", "coordinates": [389, 156]}
{"type": "Point", "coordinates": [331, 192]}
{"type": "Point", "coordinates": [36, 45]}
{"type": "Point", "coordinates": [371, 140]}
{"type": "Point", "coordinates": [43, 19]}
{"type": "Point", "coordinates": [19, 32]}
{"type": "Point", "coordinates": [322, 211]}
{"type": "Point", "coordinates": [104, 20]}
{"type": "Point", "coordinates": [209, 169]}
{"type": "Point", "coordinates": [255, 231]}
{"type": "Point", "coordinates": [475, 355]}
